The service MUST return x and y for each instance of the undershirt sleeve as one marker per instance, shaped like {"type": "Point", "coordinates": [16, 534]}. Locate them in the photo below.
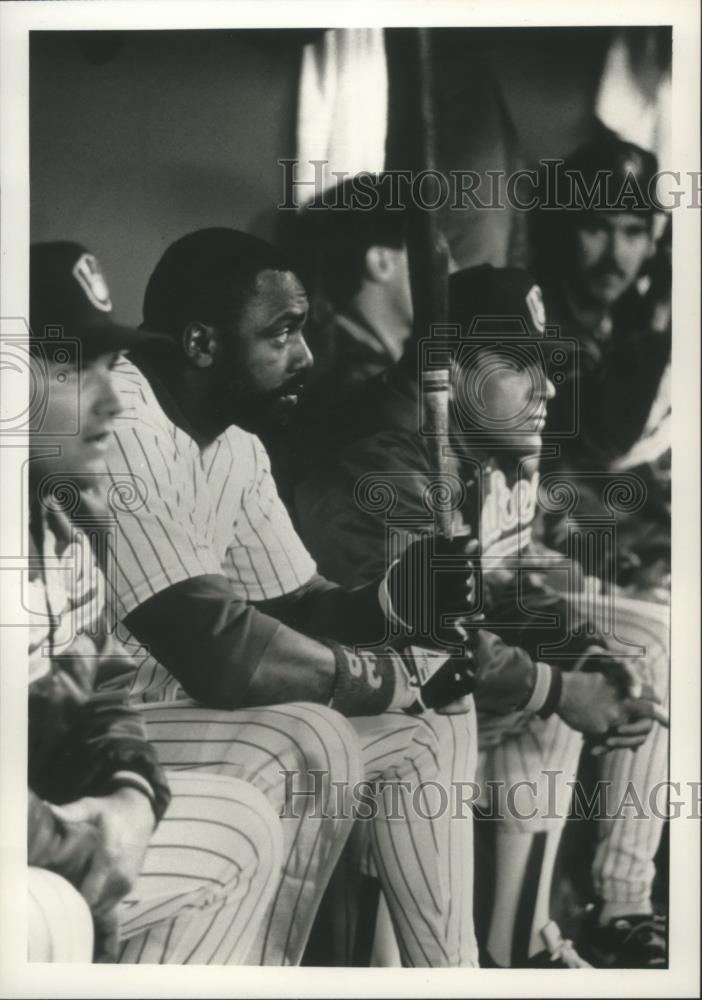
{"type": "Point", "coordinates": [210, 641]}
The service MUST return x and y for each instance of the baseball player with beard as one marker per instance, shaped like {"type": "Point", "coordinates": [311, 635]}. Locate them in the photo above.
{"type": "Point", "coordinates": [605, 270]}
{"type": "Point", "coordinates": [249, 659]}
{"type": "Point", "coordinates": [124, 865]}
{"type": "Point", "coordinates": [530, 738]}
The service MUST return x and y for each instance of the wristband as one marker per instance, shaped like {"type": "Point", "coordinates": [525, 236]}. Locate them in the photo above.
{"type": "Point", "coordinates": [542, 686]}
{"type": "Point", "coordinates": [553, 697]}
{"type": "Point", "coordinates": [364, 682]}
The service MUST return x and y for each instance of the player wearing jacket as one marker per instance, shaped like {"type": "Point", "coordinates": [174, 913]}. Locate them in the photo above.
{"type": "Point", "coordinates": [121, 865]}
{"type": "Point", "coordinates": [499, 409]}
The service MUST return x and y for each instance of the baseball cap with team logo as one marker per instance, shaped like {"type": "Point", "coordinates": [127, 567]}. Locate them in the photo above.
{"type": "Point", "coordinates": [68, 291]}
{"type": "Point", "coordinates": [500, 300]}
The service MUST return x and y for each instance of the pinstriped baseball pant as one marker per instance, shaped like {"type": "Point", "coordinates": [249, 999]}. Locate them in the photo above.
{"type": "Point", "coordinates": [525, 774]}
{"type": "Point", "coordinates": [267, 745]}
{"type": "Point", "coordinates": [623, 867]}
{"type": "Point", "coordinates": [208, 876]}
{"type": "Point", "coordinates": [456, 736]}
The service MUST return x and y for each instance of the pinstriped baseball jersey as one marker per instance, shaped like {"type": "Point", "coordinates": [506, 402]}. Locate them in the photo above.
{"type": "Point", "coordinates": [195, 512]}
{"type": "Point", "coordinates": [225, 498]}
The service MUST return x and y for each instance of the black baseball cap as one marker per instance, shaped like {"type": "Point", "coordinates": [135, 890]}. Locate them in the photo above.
{"type": "Point", "coordinates": [499, 301]}
{"type": "Point", "coordinates": [621, 175]}
{"type": "Point", "coordinates": [68, 290]}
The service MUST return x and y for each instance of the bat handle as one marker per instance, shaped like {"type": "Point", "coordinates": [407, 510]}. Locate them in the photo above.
{"type": "Point", "coordinates": [435, 396]}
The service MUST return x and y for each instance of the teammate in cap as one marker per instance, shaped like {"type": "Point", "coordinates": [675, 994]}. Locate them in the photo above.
{"type": "Point", "coordinates": [254, 658]}
{"type": "Point", "coordinates": [527, 723]}
{"type": "Point", "coordinates": [121, 865]}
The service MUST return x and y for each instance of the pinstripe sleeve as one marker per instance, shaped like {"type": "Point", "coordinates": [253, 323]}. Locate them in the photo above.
{"type": "Point", "coordinates": [163, 510]}
{"type": "Point", "coordinates": [265, 557]}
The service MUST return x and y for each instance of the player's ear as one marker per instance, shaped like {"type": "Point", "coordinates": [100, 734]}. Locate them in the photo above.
{"type": "Point", "coordinates": [200, 344]}
{"type": "Point", "coordinates": [381, 263]}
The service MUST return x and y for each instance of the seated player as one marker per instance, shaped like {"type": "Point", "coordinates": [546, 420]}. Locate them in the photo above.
{"type": "Point", "coordinates": [124, 865]}
{"type": "Point", "coordinates": [373, 443]}
{"type": "Point", "coordinates": [252, 659]}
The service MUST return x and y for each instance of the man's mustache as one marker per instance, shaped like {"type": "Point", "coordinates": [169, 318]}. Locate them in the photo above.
{"type": "Point", "coordinates": [608, 271]}
{"type": "Point", "coordinates": [294, 385]}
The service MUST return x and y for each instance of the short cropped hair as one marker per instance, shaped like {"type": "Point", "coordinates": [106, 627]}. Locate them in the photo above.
{"type": "Point", "coordinates": [335, 231]}
{"type": "Point", "coordinates": [206, 276]}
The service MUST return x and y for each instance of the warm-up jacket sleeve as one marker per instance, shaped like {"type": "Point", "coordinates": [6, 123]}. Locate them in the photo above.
{"type": "Point", "coordinates": [79, 740]}
{"type": "Point", "coordinates": [542, 608]}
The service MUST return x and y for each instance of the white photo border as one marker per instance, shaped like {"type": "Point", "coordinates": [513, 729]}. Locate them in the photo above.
{"type": "Point", "coordinates": [682, 979]}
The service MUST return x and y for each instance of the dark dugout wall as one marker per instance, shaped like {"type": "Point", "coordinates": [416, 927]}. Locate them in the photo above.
{"type": "Point", "coordinates": [139, 137]}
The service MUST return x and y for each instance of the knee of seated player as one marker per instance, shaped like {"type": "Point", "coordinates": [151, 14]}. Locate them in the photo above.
{"type": "Point", "coordinates": [646, 625]}
{"type": "Point", "coordinates": [421, 759]}
{"type": "Point", "coordinates": [59, 922]}
{"type": "Point", "coordinates": [231, 828]}
{"type": "Point", "coordinates": [456, 740]}
{"type": "Point", "coordinates": [321, 755]}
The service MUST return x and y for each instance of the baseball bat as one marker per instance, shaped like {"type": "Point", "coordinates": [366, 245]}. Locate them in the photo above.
{"type": "Point", "coordinates": [428, 267]}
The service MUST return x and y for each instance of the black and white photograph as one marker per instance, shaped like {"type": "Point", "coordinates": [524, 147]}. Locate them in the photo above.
{"type": "Point", "coordinates": [350, 504]}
